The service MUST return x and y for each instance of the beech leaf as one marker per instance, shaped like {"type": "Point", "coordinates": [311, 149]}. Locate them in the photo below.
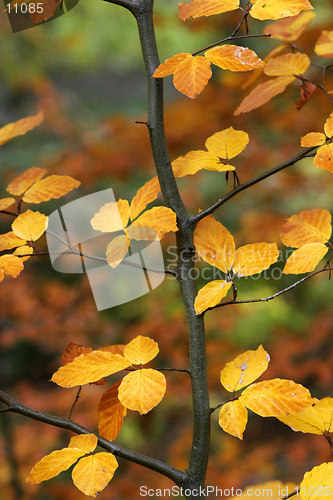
{"type": "Point", "coordinates": [316, 419]}
{"type": "Point", "coordinates": [277, 9]}
{"type": "Point", "coordinates": [198, 8]}
{"type": "Point", "coordinates": [254, 258]}
{"type": "Point", "coordinates": [234, 58]}
{"type": "Point", "coordinates": [93, 473]}
{"type": "Point", "coordinates": [20, 127]}
{"type": "Point", "coordinates": [30, 225]}
{"type": "Point", "coordinates": [141, 350]}
{"type": "Point", "coordinates": [318, 482]}
{"type": "Point", "coordinates": [305, 258]}
{"type": "Point", "coordinates": [142, 390]}
{"type": "Point", "coordinates": [19, 185]}
{"type": "Point", "coordinates": [210, 295]}
{"type": "Point", "coordinates": [111, 413]}
{"type": "Point", "coordinates": [310, 226]}
{"type": "Point", "coordinates": [233, 418]}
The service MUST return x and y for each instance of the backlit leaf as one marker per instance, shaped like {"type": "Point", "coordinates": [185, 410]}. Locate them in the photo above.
{"type": "Point", "coordinates": [328, 127]}
{"type": "Point", "coordinates": [310, 226]}
{"type": "Point", "coordinates": [276, 9]}
{"type": "Point", "coordinates": [318, 482]}
{"type": "Point", "coordinates": [275, 398]}
{"type": "Point", "coordinates": [93, 473]}
{"type": "Point", "coordinates": [324, 157]}
{"type": "Point", "coordinates": [142, 390]}
{"type": "Point", "coordinates": [84, 442]}
{"type": "Point", "coordinates": [263, 93]}
{"type": "Point", "coordinates": [290, 28]}
{"type": "Point", "coordinates": [288, 64]}
{"type": "Point", "coordinates": [324, 45]}
{"type": "Point", "coordinates": [146, 194]}
{"type": "Point", "coordinates": [88, 368]}
{"type": "Point", "coordinates": [228, 143]}
{"type": "Point", "coordinates": [254, 258]}
{"type": "Point", "coordinates": [234, 58]}
{"type": "Point", "coordinates": [210, 295]}
{"type": "Point", "coordinates": [73, 351]}
{"type": "Point", "coordinates": [313, 139]}
{"type": "Point", "coordinates": [116, 250]}
{"type": "Point", "coordinates": [162, 219]}
{"type": "Point", "coordinates": [170, 65]}
{"type": "Point", "coordinates": [194, 161]}
{"type": "Point", "coordinates": [305, 259]}
{"type": "Point", "coordinates": [30, 225]}
{"type": "Point", "coordinates": [244, 369]}
{"type": "Point", "coordinates": [20, 127]}
{"type": "Point", "coordinates": [110, 217]}
{"type": "Point", "coordinates": [6, 202]}
{"type": "Point", "coordinates": [316, 419]}
{"type": "Point", "coordinates": [11, 265]}
{"type": "Point", "coordinates": [233, 418]}
{"type": "Point", "coordinates": [19, 185]}
{"type": "Point", "coordinates": [54, 463]}
{"type": "Point", "coordinates": [198, 8]}
{"type": "Point", "coordinates": [53, 186]}
{"type": "Point", "coordinates": [192, 76]}
{"type": "Point", "coordinates": [111, 413]}
{"type": "Point", "coordinates": [141, 350]}
{"type": "Point", "coordinates": [25, 251]}
{"type": "Point", "coordinates": [214, 243]}
{"type": "Point", "coordinates": [10, 240]}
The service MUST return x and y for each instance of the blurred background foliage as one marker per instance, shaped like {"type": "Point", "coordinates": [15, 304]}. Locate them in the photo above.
{"type": "Point", "coordinates": [85, 71]}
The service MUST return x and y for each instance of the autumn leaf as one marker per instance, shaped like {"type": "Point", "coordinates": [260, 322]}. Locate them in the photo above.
{"type": "Point", "coordinates": [19, 185]}
{"type": "Point", "coordinates": [30, 225]}
{"type": "Point", "coordinates": [328, 127]}
{"type": "Point", "coordinates": [141, 350]}
{"type": "Point", "coordinates": [315, 419]}
{"type": "Point", "coordinates": [162, 219]}
{"type": "Point", "coordinates": [324, 157]}
{"type": "Point", "coordinates": [194, 161]}
{"type": "Point", "coordinates": [254, 258]}
{"type": "Point", "coordinates": [192, 76]}
{"type": "Point", "coordinates": [210, 295]}
{"type": "Point", "coordinates": [307, 90]}
{"type": "Point", "coordinates": [305, 258]}
{"type": "Point", "coordinates": [142, 390]}
{"type": "Point", "coordinates": [48, 11]}
{"type": "Point", "coordinates": [277, 9]}
{"type": "Point", "coordinates": [93, 473]}
{"type": "Point", "coordinates": [111, 413]}
{"type": "Point", "coordinates": [324, 45]}
{"type": "Point", "coordinates": [318, 482]}
{"type": "Point", "coordinates": [20, 127]}
{"type": "Point", "coordinates": [198, 8]}
{"type": "Point", "coordinates": [290, 28]}
{"type": "Point", "coordinates": [6, 202]}
{"type": "Point", "coordinates": [244, 369]}
{"type": "Point", "coordinates": [310, 226]}
{"type": "Point", "coordinates": [72, 351]}
{"type": "Point", "coordinates": [233, 418]}
{"type": "Point", "coordinates": [313, 139]}
{"type": "Point", "coordinates": [234, 58]}
{"type": "Point", "coordinates": [54, 463]}
{"type": "Point", "coordinates": [146, 194]}
{"type": "Point", "coordinates": [10, 240]}
{"type": "Point", "coordinates": [52, 187]}
{"type": "Point", "coordinates": [24, 252]}
{"type": "Point", "coordinates": [111, 217]}
{"type": "Point", "coordinates": [84, 442]}
{"type": "Point", "coordinates": [10, 265]}
{"type": "Point", "coordinates": [228, 143]}
{"type": "Point", "coordinates": [116, 250]}
{"type": "Point", "coordinates": [170, 65]}
{"type": "Point", "coordinates": [287, 65]}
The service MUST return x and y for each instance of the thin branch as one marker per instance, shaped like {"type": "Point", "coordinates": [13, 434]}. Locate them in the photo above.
{"type": "Point", "coordinates": [231, 37]}
{"type": "Point", "coordinates": [184, 370]}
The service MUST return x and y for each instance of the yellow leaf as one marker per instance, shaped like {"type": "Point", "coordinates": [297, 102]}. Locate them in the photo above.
{"type": "Point", "coordinates": [214, 243]}
{"type": "Point", "coordinates": [318, 483]}
{"type": "Point", "coordinates": [310, 226]}
{"type": "Point", "coordinates": [275, 398]}
{"type": "Point", "coordinates": [324, 157]}
{"type": "Point", "coordinates": [30, 225]}
{"type": "Point", "coordinates": [233, 418]}
{"type": "Point", "coordinates": [20, 127]}
{"type": "Point", "coordinates": [117, 250]}
{"type": "Point", "coordinates": [257, 72]}
{"type": "Point", "coordinates": [194, 161]}
{"type": "Point", "coordinates": [93, 473]}
{"type": "Point", "coordinates": [142, 390]}
{"type": "Point", "coordinates": [324, 44]}
{"type": "Point", "coordinates": [23, 252]}
{"type": "Point", "coordinates": [88, 368]}
{"type": "Point", "coordinates": [170, 65]}
{"type": "Point", "coordinates": [289, 29]}
{"type": "Point", "coordinates": [146, 194]}
{"type": "Point", "coordinates": [313, 139]}
{"type": "Point", "coordinates": [276, 9]}
{"type": "Point", "coordinates": [305, 259]}
{"type": "Point", "coordinates": [254, 258]}
{"type": "Point", "coordinates": [50, 188]}
{"type": "Point", "coordinates": [263, 93]}
{"type": "Point", "coordinates": [328, 127]}
{"type": "Point", "coordinates": [316, 419]}
{"type": "Point", "coordinates": [54, 463]}
{"type": "Point", "coordinates": [10, 240]}
{"type": "Point", "coordinates": [288, 64]}
{"type": "Point", "coordinates": [6, 202]}
{"type": "Point", "coordinates": [192, 76]}
{"type": "Point", "coordinates": [141, 350]}
{"type": "Point", "coordinates": [210, 295]}
{"type": "Point", "coordinates": [19, 185]}
{"type": "Point", "coordinates": [198, 8]}
{"type": "Point", "coordinates": [111, 216]}
{"type": "Point", "coordinates": [84, 442]}
{"type": "Point", "coordinates": [141, 233]}
{"type": "Point", "coordinates": [162, 219]}
{"type": "Point", "coordinates": [111, 413]}
{"type": "Point", "coordinates": [244, 369]}
{"type": "Point", "coordinates": [11, 265]}
{"type": "Point", "coordinates": [228, 143]}
{"type": "Point", "coordinates": [234, 58]}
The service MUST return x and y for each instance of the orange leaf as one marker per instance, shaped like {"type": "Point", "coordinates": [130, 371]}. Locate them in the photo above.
{"type": "Point", "coordinates": [30, 225]}
{"type": "Point", "coordinates": [328, 127]}
{"type": "Point", "coordinates": [117, 250]}
{"type": "Point", "coordinates": [263, 93]}
{"type": "Point", "coordinates": [6, 202]}
{"type": "Point", "coordinates": [276, 9]}
{"type": "Point", "coordinates": [50, 188]}
{"type": "Point", "coordinates": [288, 64]}
{"type": "Point", "coordinates": [19, 185]}
{"type": "Point", "coordinates": [198, 8]}
{"type": "Point", "coordinates": [324, 45]}
{"type": "Point", "coordinates": [244, 369]}
{"type": "Point", "coordinates": [316, 419]}
{"type": "Point", "coordinates": [10, 240]}
{"type": "Point", "coordinates": [20, 127]}
{"type": "Point", "coordinates": [305, 259]}
{"type": "Point", "coordinates": [233, 418]}
{"type": "Point", "coordinates": [146, 194]}
{"type": "Point", "coordinates": [310, 226]}
{"type": "Point", "coordinates": [289, 29]}
{"type": "Point", "coordinates": [54, 463]}
{"type": "Point", "coordinates": [170, 65]}
{"type": "Point", "coordinates": [93, 473]}
{"type": "Point", "coordinates": [324, 157]}
{"type": "Point", "coordinates": [254, 258]}
{"type": "Point", "coordinates": [142, 390]}
{"type": "Point", "coordinates": [194, 161]}
{"type": "Point", "coordinates": [210, 295]}
{"type": "Point", "coordinates": [141, 350]}
{"type": "Point", "coordinates": [11, 265]}
{"type": "Point", "coordinates": [313, 139]}
{"type": "Point", "coordinates": [111, 217]}
{"type": "Point", "coordinates": [192, 76]}
{"type": "Point", "coordinates": [234, 58]}
{"type": "Point", "coordinates": [84, 442]}
{"type": "Point", "coordinates": [275, 398]}
{"type": "Point", "coordinates": [48, 11]}
{"type": "Point", "coordinates": [162, 219]}
{"type": "Point", "coordinates": [111, 413]}
{"type": "Point", "coordinates": [228, 143]}
{"type": "Point", "coordinates": [214, 243]}
{"type": "Point", "coordinates": [72, 351]}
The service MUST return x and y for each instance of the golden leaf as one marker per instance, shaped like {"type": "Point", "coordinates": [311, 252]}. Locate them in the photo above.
{"type": "Point", "coordinates": [276, 397]}
{"type": "Point", "coordinates": [162, 219]}
{"type": "Point", "coordinates": [328, 127]}
{"type": "Point", "coordinates": [263, 93]}
{"type": "Point", "coordinates": [72, 351]}
{"type": "Point", "coordinates": [289, 29]}
{"type": "Point", "coordinates": [170, 65]}
{"type": "Point", "coordinates": [214, 243]}
{"type": "Point", "coordinates": [254, 258]}
{"type": "Point", "coordinates": [233, 418]}
{"type": "Point", "coordinates": [141, 350]}
{"type": "Point", "coordinates": [88, 368]}
{"type": "Point", "coordinates": [324, 157]}
{"type": "Point", "coordinates": [19, 185]}
{"type": "Point", "coordinates": [234, 58]}
{"type": "Point", "coordinates": [23, 252]}
{"type": "Point", "coordinates": [244, 369]}
{"type": "Point", "coordinates": [93, 473]}
{"type": "Point", "coordinates": [276, 9]}
{"type": "Point", "coordinates": [30, 225]}
{"type": "Point", "coordinates": [305, 258]}
{"type": "Point", "coordinates": [20, 127]}
{"type": "Point", "coordinates": [310, 226]}
{"type": "Point", "coordinates": [318, 482]}
{"type": "Point", "coordinates": [192, 76]}
{"type": "Point", "coordinates": [84, 442]}
{"type": "Point", "coordinates": [210, 295]}
{"type": "Point", "coordinates": [146, 194]}
{"type": "Point", "coordinates": [110, 217]}
{"type": "Point", "coordinates": [6, 202]}
{"type": "Point", "coordinates": [142, 390]}
{"type": "Point", "coordinates": [324, 44]}
{"type": "Point", "coordinates": [198, 8]}
{"type": "Point", "coordinates": [142, 233]}
{"type": "Point", "coordinates": [316, 419]}
{"type": "Point", "coordinates": [313, 139]}
{"type": "Point", "coordinates": [287, 65]}
{"type": "Point", "coordinates": [10, 240]}
{"type": "Point", "coordinates": [50, 188]}
{"type": "Point", "coordinates": [228, 143]}
{"type": "Point", "coordinates": [194, 161]}
{"type": "Point", "coordinates": [111, 413]}
{"type": "Point", "coordinates": [11, 265]}
{"type": "Point", "coordinates": [54, 463]}
{"type": "Point", "coordinates": [117, 250]}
